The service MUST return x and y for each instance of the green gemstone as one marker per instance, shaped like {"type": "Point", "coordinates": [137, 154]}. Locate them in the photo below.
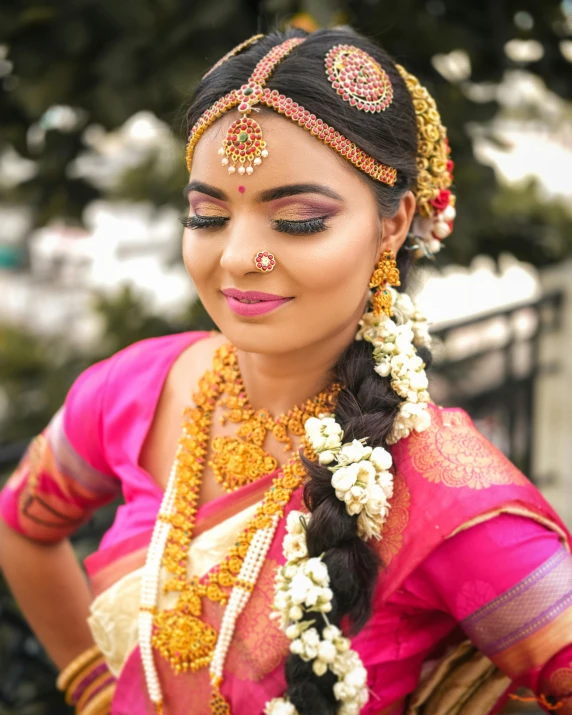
{"type": "Point", "coordinates": [248, 91]}
{"type": "Point", "coordinates": [242, 137]}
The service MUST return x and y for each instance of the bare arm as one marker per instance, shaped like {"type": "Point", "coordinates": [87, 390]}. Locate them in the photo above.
{"type": "Point", "coordinates": [51, 590]}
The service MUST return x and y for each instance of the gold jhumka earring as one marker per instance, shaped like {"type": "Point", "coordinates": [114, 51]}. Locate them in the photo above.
{"type": "Point", "coordinates": [386, 273]}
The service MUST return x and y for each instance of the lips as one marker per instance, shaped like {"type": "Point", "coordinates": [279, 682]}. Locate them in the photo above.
{"type": "Point", "coordinates": [263, 302]}
{"type": "Point", "coordinates": [250, 295]}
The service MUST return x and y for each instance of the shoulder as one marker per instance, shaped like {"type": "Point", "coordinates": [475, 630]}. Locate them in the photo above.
{"type": "Point", "coordinates": [151, 355]}
{"type": "Point", "coordinates": [144, 361]}
{"type": "Point", "coordinates": [454, 453]}
{"type": "Point", "coordinates": [138, 369]}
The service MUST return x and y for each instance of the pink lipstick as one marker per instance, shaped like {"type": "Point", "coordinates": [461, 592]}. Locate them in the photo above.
{"type": "Point", "coordinates": [252, 303]}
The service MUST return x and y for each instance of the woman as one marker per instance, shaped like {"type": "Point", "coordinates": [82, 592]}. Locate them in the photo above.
{"type": "Point", "coordinates": [364, 551]}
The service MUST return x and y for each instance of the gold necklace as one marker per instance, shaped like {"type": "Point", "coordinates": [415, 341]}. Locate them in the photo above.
{"type": "Point", "coordinates": [241, 459]}
{"type": "Point", "coordinates": [180, 635]}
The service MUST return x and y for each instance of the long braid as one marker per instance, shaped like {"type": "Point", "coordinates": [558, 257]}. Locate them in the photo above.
{"type": "Point", "coordinates": [366, 407]}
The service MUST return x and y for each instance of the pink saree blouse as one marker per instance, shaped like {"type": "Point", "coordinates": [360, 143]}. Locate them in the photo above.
{"type": "Point", "coordinates": [477, 581]}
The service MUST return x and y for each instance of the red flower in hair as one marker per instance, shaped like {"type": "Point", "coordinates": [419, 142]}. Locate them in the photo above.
{"type": "Point", "coordinates": [450, 166]}
{"type": "Point", "coordinates": [442, 201]}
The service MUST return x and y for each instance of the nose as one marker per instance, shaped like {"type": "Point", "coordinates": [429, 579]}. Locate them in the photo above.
{"type": "Point", "coordinates": [241, 247]}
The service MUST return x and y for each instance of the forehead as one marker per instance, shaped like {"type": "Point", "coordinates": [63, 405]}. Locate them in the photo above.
{"type": "Point", "coordinates": [294, 156]}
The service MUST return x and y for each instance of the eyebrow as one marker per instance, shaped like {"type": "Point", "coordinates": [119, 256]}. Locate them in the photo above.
{"type": "Point", "coordinates": [204, 189]}
{"type": "Point", "coordinates": [267, 195]}
{"type": "Point", "coordinates": [294, 189]}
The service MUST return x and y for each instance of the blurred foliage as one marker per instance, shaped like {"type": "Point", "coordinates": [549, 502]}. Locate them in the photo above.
{"type": "Point", "coordinates": [110, 59]}
{"type": "Point", "coordinates": [37, 371]}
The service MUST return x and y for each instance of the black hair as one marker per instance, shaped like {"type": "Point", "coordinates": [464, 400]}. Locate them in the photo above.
{"type": "Point", "coordinates": [367, 405]}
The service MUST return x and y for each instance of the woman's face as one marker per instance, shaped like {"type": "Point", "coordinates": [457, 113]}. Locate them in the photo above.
{"type": "Point", "coordinates": [307, 207]}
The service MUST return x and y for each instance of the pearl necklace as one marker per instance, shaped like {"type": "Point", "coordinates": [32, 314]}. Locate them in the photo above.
{"type": "Point", "coordinates": [267, 516]}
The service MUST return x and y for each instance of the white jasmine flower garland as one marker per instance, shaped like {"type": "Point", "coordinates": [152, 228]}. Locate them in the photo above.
{"type": "Point", "coordinates": [362, 479]}
{"type": "Point", "coordinates": [361, 476]}
{"type": "Point", "coordinates": [394, 341]}
{"type": "Point", "coordinates": [302, 586]}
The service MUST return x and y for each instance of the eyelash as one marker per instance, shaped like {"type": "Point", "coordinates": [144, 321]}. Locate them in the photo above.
{"type": "Point", "coordinates": [314, 225]}
{"type": "Point", "coordinates": [195, 222]}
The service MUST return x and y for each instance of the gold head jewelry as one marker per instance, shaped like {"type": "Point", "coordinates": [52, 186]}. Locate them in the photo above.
{"type": "Point", "coordinates": [433, 147]}
{"type": "Point", "coordinates": [359, 80]}
{"type": "Point", "coordinates": [244, 145]}
{"type": "Point", "coordinates": [386, 273]}
{"type": "Point", "coordinates": [435, 201]}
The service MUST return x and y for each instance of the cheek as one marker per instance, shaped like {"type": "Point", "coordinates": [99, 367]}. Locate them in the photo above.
{"type": "Point", "coordinates": [197, 257]}
{"type": "Point", "coordinates": [341, 265]}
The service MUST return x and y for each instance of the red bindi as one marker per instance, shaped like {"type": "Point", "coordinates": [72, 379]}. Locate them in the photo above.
{"type": "Point", "coordinates": [242, 189]}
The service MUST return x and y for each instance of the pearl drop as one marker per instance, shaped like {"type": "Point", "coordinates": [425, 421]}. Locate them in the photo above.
{"type": "Point", "coordinates": [257, 161]}
{"type": "Point", "coordinates": [231, 169]}
{"type": "Point", "coordinates": [449, 213]}
{"type": "Point", "coordinates": [221, 151]}
{"type": "Point", "coordinates": [441, 229]}
{"type": "Point", "coordinates": [241, 170]}
{"type": "Point", "coordinates": [224, 162]}
{"type": "Point", "coordinates": [264, 153]}
{"type": "Point", "coordinates": [249, 170]}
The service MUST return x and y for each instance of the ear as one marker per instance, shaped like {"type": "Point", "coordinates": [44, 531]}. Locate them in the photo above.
{"type": "Point", "coordinates": [394, 230]}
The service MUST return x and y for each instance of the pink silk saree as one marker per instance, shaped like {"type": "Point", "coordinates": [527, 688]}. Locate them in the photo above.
{"type": "Point", "coordinates": [459, 507]}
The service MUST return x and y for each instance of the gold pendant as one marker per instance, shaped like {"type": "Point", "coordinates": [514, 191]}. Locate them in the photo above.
{"type": "Point", "coordinates": [236, 463]}
{"type": "Point", "coordinates": [218, 703]}
{"type": "Point", "coordinates": [183, 639]}
{"type": "Point", "coordinates": [382, 303]}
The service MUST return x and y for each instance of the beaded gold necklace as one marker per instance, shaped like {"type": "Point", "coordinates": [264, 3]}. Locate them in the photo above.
{"type": "Point", "coordinates": [179, 634]}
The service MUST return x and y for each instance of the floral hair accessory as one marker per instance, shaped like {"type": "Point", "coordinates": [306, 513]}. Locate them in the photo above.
{"type": "Point", "coordinates": [358, 78]}
{"type": "Point", "coordinates": [394, 341]}
{"type": "Point", "coordinates": [302, 588]}
{"type": "Point", "coordinates": [361, 476]}
{"type": "Point", "coordinates": [435, 202]}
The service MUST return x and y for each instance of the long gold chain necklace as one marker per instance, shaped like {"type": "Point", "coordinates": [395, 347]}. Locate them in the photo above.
{"type": "Point", "coordinates": [180, 635]}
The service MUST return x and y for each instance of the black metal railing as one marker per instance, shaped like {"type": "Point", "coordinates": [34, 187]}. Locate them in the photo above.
{"type": "Point", "coordinates": [494, 375]}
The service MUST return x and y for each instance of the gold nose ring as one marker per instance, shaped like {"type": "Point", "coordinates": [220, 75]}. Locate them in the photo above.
{"type": "Point", "coordinates": [264, 261]}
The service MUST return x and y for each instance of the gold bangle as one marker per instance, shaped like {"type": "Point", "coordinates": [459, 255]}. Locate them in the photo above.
{"type": "Point", "coordinates": [100, 705]}
{"type": "Point", "coordinates": [77, 664]}
{"type": "Point", "coordinates": [92, 689]}
{"type": "Point", "coordinates": [76, 681]}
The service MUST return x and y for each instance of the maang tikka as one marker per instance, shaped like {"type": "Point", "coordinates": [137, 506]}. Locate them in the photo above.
{"type": "Point", "coordinates": [386, 273]}
{"type": "Point", "coordinates": [354, 75]}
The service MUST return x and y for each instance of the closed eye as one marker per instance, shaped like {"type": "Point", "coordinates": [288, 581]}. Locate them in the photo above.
{"type": "Point", "coordinates": [299, 228]}
{"type": "Point", "coordinates": [196, 221]}
{"type": "Point", "coordinates": [313, 225]}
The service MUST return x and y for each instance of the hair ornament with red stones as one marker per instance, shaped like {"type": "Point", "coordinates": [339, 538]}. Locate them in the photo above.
{"type": "Point", "coordinates": [244, 148]}
{"type": "Point", "coordinates": [358, 78]}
